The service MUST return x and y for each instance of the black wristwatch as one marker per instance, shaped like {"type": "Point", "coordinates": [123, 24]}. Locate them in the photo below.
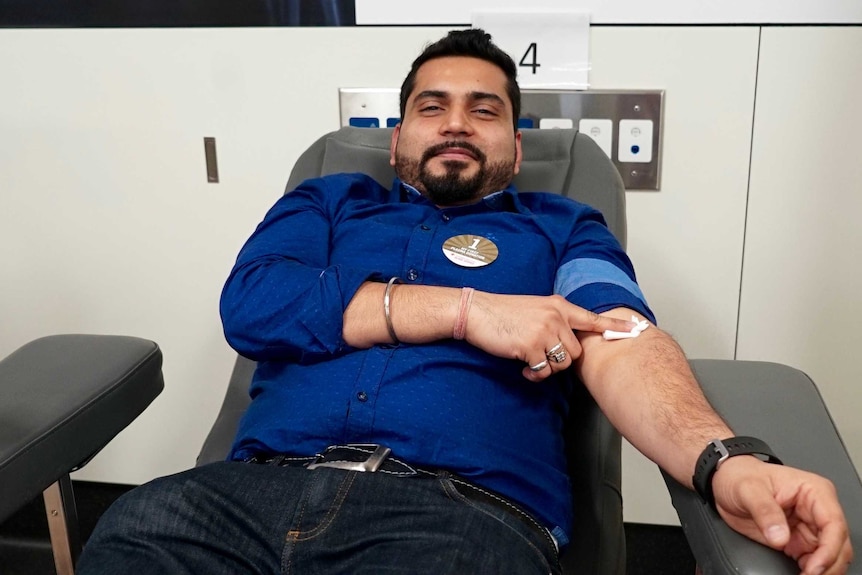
{"type": "Point", "coordinates": [717, 451]}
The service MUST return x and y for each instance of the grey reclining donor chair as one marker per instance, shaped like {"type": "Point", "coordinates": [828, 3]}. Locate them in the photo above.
{"type": "Point", "coordinates": [760, 399]}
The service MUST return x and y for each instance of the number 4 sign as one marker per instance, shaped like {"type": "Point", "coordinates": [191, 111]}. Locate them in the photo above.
{"type": "Point", "coordinates": [551, 49]}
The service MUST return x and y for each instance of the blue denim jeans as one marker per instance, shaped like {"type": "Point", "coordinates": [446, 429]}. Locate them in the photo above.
{"type": "Point", "coordinates": [232, 517]}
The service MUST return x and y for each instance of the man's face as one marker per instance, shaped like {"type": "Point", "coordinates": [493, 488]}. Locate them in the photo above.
{"type": "Point", "coordinates": [456, 143]}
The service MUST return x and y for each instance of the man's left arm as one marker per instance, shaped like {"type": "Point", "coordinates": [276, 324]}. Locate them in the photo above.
{"type": "Point", "coordinates": [645, 387]}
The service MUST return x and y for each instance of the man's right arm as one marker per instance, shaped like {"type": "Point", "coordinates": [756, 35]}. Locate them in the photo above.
{"type": "Point", "coordinates": [511, 326]}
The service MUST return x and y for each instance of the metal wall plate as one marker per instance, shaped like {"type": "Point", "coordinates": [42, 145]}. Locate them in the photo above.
{"type": "Point", "coordinates": [374, 108]}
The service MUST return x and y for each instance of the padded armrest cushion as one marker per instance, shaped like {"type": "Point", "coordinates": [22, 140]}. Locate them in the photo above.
{"type": "Point", "coordinates": [62, 399]}
{"type": "Point", "coordinates": [782, 406]}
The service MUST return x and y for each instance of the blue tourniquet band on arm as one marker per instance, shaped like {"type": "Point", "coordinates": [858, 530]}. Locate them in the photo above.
{"type": "Point", "coordinates": [445, 405]}
{"type": "Point", "coordinates": [584, 272]}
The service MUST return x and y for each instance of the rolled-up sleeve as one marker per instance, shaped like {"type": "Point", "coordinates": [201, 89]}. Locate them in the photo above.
{"type": "Point", "coordinates": [283, 299]}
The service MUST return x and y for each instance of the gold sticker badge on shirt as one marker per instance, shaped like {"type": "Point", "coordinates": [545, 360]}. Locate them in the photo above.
{"type": "Point", "coordinates": [470, 251]}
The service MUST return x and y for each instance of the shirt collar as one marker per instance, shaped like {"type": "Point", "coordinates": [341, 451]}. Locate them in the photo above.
{"type": "Point", "coordinates": [407, 192]}
{"type": "Point", "coordinates": [506, 200]}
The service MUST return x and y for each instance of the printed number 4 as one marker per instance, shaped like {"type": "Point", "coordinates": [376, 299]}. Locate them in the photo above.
{"type": "Point", "coordinates": [531, 53]}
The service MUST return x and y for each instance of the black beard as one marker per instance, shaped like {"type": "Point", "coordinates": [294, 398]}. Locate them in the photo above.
{"type": "Point", "coordinates": [450, 189]}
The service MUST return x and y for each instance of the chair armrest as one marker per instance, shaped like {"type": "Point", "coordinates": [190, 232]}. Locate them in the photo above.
{"type": "Point", "coordinates": [782, 406]}
{"type": "Point", "coordinates": [62, 399]}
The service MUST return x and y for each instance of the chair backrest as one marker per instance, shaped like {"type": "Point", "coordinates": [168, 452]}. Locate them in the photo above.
{"type": "Point", "coordinates": [560, 161]}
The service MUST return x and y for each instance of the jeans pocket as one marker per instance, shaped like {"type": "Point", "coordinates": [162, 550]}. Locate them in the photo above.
{"type": "Point", "coordinates": [515, 519]}
{"type": "Point", "coordinates": [320, 504]}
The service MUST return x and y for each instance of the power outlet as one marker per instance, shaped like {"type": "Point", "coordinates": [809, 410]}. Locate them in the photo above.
{"type": "Point", "coordinates": [551, 123]}
{"type": "Point", "coordinates": [602, 131]}
{"type": "Point", "coordinates": [635, 141]}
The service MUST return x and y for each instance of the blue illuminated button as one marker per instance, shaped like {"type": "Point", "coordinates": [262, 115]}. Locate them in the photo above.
{"type": "Point", "coordinates": [365, 122]}
{"type": "Point", "coordinates": [636, 149]}
{"type": "Point", "coordinates": [525, 123]}
{"type": "Point", "coordinates": [392, 122]}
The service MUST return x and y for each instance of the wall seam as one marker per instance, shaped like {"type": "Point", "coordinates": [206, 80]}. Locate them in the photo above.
{"type": "Point", "coordinates": [747, 195]}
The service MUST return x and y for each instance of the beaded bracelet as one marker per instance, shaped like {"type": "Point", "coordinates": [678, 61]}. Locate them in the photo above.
{"type": "Point", "coordinates": [463, 309]}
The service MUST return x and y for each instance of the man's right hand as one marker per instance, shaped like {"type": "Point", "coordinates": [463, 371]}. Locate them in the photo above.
{"type": "Point", "coordinates": [527, 327]}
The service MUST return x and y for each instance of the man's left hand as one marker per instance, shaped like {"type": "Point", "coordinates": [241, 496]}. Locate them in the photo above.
{"type": "Point", "coordinates": [788, 509]}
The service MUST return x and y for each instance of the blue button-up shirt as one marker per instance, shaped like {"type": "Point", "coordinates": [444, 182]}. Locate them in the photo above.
{"type": "Point", "coordinates": [443, 405]}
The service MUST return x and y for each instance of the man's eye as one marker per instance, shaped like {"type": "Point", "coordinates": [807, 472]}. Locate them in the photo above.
{"type": "Point", "coordinates": [485, 112]}
{"type": "Point", "coordinates": [429, 108]}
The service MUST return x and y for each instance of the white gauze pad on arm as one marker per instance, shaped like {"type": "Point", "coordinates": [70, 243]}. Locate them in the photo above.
{"type": "Point", "coordinates": [636, 331]}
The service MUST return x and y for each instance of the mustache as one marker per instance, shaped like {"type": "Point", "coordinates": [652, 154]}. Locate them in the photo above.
{"type": "Point", "coordinates": [437, 148]}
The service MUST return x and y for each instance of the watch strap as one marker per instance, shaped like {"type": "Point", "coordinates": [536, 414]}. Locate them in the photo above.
{"type": "Point", "coordinates": [717, 452]}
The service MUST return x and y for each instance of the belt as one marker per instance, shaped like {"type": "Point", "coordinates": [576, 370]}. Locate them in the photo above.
{"type": "Point", "coordinates": [374, 458]}
{"type": "Point", "coordinates": [353, 457]}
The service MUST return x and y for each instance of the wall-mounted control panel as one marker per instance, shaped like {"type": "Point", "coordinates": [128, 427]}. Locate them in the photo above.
{"type": "Point", "coordinates": [626, 124]}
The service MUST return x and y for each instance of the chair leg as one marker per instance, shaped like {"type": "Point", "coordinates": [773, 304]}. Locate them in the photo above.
{"type": "Point", "coordinates": [63, 525]}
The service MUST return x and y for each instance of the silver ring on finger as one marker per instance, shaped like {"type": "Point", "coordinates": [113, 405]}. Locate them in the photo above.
{"type": "Point", "coordinates": [557, 354]}
{"type": "Point", "coordinates": [554, 349]}
{"type": "Point", "coordinates": [539, 366]}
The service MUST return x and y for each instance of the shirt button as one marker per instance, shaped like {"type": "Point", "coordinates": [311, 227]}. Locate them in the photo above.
{"type": "Point", "coordinates": [412, 275]}
{"type": "Point", "coordinates": [424, 227]}
{"type": "Point", "coordinates": [446, 217]}
{"type": "Point", "coordinates": [362, 396]}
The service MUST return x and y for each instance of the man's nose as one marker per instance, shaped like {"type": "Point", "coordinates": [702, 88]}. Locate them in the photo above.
{"type": "Point", "coordinates": [456, 122]}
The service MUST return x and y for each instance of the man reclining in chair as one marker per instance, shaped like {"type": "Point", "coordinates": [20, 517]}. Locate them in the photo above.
{"type": "Point", "coordinates": [443, 322]}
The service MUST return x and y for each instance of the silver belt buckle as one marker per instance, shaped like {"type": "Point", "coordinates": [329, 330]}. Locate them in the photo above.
{"type": "Point", "coordinates": [372, 463]}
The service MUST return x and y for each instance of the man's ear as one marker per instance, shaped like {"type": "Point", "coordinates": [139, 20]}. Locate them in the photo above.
{"type": "Point", "coordinates": [393, 143]}
{"type": "Point", "coordinates": [519, 154]}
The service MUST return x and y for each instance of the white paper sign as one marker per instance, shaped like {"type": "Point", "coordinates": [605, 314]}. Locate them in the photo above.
{"type": "Point", "coordinates": [551, 49]}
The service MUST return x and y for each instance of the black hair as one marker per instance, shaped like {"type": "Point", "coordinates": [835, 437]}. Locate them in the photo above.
{"type": "Point", "coordinates": [474, 43]}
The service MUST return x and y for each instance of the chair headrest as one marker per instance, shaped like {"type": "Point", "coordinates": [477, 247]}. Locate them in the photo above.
{"type": "Point", "coordinates": [559, 161]}
{"type": "Point", "coordinates": [546, 163]}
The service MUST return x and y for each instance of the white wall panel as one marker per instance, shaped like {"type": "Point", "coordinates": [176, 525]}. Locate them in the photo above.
{"type": "Point", "coordinates": [453, 12]}
{"type": "Point", "coordinates": [802, 279]}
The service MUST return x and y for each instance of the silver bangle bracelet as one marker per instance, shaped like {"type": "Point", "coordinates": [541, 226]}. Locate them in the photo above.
{"type": "Point", "coordinates": [386, 296]}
